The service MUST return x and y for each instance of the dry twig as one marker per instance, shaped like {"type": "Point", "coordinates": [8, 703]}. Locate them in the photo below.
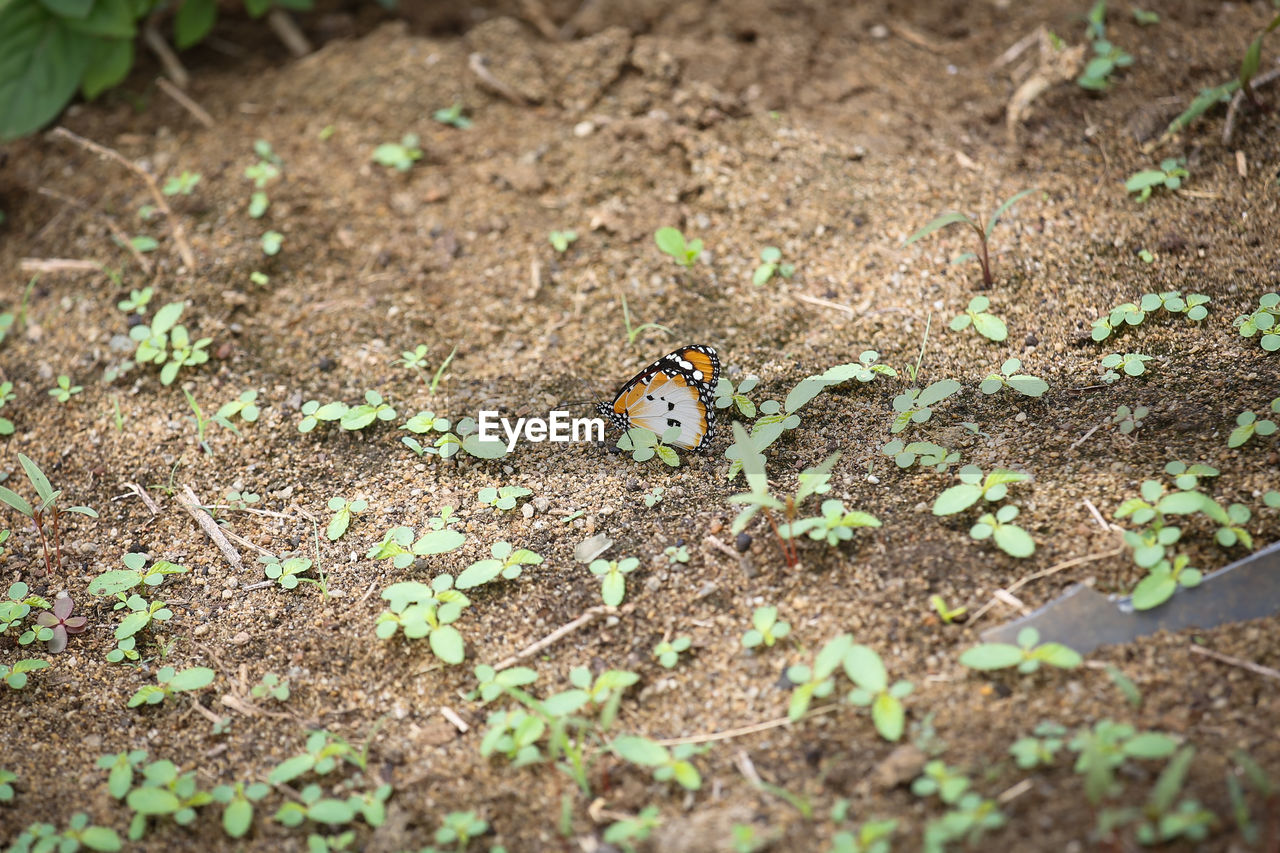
{"type": "Point", "coordinates": [479, 67]}
{"type": "Point", "coordinates": [192, 505]}
{"type": "Point", "coordinates": [1266, 671]}
{"type": "Point", "coordinates": [588, 616]}
{"type": "Point", "coordinates": [185, 101]}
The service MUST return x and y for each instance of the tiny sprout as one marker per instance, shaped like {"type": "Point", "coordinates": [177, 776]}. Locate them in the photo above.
{"type": "Point", "coordinates": [451, 115]}
{"type": "Point", "coordinates": [271, 685]}
{"type": "Point", "coordinates": [983, 233]}
{"type": "Point", "coordinates": [16, 676]}
{"type": "Point", "coordinates": [343, 509]}
{"type": "Point", "coordinates": [259, 278]}
{"type": "Point", "coordinates": [613, 578]}
{"type": "Point", "coordinates": [668, 652]}
{"type": "Point", "coordinates": [926, 452]}
{"type": "Point", "coordinates": [1132, 363]}
{"type": "Point", "coordinates": [677, 554]}
{"type": "Point", "coordinates": [182, 184]}
{"type": "Point", "coordinates": [672, 242]}
{"type": "Point", "coordinates": [271, 243]}
{"type": "Point", "coordinates": [999, 527]}
{"type": "Point", "coordinates": [773, 265]}
{"type": "Point", "coordinates": [1146, 257]}
{"type": "Point", "coordinates": [245, 406]}
{"type": "Point", "coordinates": [399, 155]}
{"type": "Point", "coordinates": [654, 497]}
{"type": "Point", "coordinates": [1169, 175]}
{"type": "Point", "coordinates": [1009, 377]}
{"type": "Point", "coordinates": [973, 487]}
{"type": "Point", "coordinates": [866, 369]}
{"type": "Point", "coordinates": [948, 615]}
{"type": "Point", "coordinates": [458, 828]}
{"type": "Point", "coordinates": [137, 300]}
{"type": "Point", "coordinates": [1248, 425]}
{"type": "Point", "coordinates": [1163, 581]}
{"type": "Point", "coordinates": [1027, 655]}
{"type": "Point", "coordinates": [915, 406]}
{"type": "Point", "coordinates": [561, 240]}
{"type": "Point", "coordinates": [985, 323]}
{"type": "Point", "coordinates": [644, 445]}
{"type": "Point", "coordinates": [1266, 320]}
{"type": "Point", "coordinates": [503, 498]}
{"type": "Point", "coordinates": [726, 395]}
{"type": "Point", "coordinates": [65, 389]}
{"type": "Point", "coordinates": [766, 629]}
{"type": "Point", "coordinates": [1129, 419]}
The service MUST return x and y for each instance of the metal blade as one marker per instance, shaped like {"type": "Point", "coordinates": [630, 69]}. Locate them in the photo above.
{"type": "Point", "coordinates": [1084, 619]}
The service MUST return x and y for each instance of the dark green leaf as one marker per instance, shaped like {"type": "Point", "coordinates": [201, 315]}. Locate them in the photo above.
{"type": "Point", "coordinates": [193, 21]}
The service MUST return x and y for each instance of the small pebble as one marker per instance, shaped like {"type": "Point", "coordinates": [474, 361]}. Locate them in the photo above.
{"type": "Point", "coordinates": [743, 542]}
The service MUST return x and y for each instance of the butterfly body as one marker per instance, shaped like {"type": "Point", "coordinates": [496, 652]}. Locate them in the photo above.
{"type": "Point", "coordinates": [675, 391]}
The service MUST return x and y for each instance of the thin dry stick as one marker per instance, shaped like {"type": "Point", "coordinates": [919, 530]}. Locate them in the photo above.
{"type": "Point", "coordinates": [175, 226]}
{"type": "Point", "coordinates": [208, 715]}
{"type": "Point", "coordinates": [1240, 662]}
{"type": "Point", "coordinates": [1014, 587]}
{"type": "Point", "coordinates": [172, 65]}
{"type": "Point", "coordinates": [192, 505]}
{"type": "Point", "coordinates": [185, 101]}
{"type": "Point", "coordinates": [1082, 439]}
{"type": "Point", "coordinates": [283, 25]}
{"type": "Point", "coordinates": [746, 730]}
{"type": "Point", "coordinates": [1233, 111]}
{"type": "Point", "coordinates": [144, 497]}
{"type": "Point", "coordinates": [245, 542]}
{"type": "Point", "coordinates": [823, 303]}
{"type": "Point", "coordinates": [57, 265]}
{"type": "Point", "coordinates": [477, 63]}
{"type": "Point", "coordinates": [588, 616]}
{"type": "Point", "coordinates": [721, 547]}
{"type": "Point", "coordinates": [452, 716]}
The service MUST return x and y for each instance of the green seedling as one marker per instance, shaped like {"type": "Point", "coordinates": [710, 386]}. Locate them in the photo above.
{"type": "Point", "coordinates": [240, 500]}
{"type": "Point", "coordinates": [313, 414]}
{"type": "Point", "coordinates": [561, 240]}
{"type": "Point", "coordinates": [17, 607]}
{"type": "Point", "coordinates": [938, 778]}
{"type": "Point", "coordinates": [399, 546]}
{"type": "Point", "coordinates": [399, 155]}
{"type": "Point", "coordinates": [263, 172]}
{"type": "Point", "coordinates": [271, 243]}
{"type": "Point", "coordinates": [125, 650]}
{"type": "Point", "coordinates": [458, 828]}
{"type": "Point", "coordinates": [143, 243]}
{"type": "Point", "coordinates": [612, 574]}
{"type": "Point", "coordinates": [238, 800]}
{"type": "Point", "coordinates": [974, 487]}
{"type": "Point", "coordinates": [972, 817]}
{"type": "Point", "coordinates": [1266, 320]}
{"type": "Point", "coordinates": [452, 115]}
{"type": "Point", "coordinates": [866, 369]}
{"type": "Point", "coordinates": [7, 777]}
{"type": "Point", "coordinates": [983, 233]}
{"type": "Point", "coordinates": [288, 572]}
{"type": "Point", "coordinates": [137, 301]}
{"type": "Point", "coordinates": [676, 553]}
{"type": "Point", "coordinates": [1145, 18]}
{"type": "Point", "coordinates": [667, 764]}
{"type": "Point", "coordinates": [493, 683]}
{"type": "Point", "coordinates": [415, 360]}
{"type": "Point", "coordinates": [171, 681]}
{"type": "Point", "coordinates": [947, 614]}
{"type": "Point", "coordinates": [926, 453]}
{"type": "Point", "coordinates": [46, 511]}
{"type": "Point", "coordinates": [835, 524]}
{"type": "Point", "coordinates": [1163, 581]}
{"type": "Point", "coordinates": [672, 242]}
{"type": "Point", "coordinates": [64, 390]}
{"type": "Point", "coordinates": [668, 652]}
{"type": "Point", "coordinates": [1104, 748]}
{"type": "Point", "coordinates": [766, 629]}
{"type": "Point", "coordinates": [1009, 377]}
{"type": "Point", "coordinates": [424, 423]}
{"type": "Point", "coordinates": [643, 445]}
{"type": "Point", "coordinates": [872, 837]}
{"type": "Point", "coordinates": [816, 681]}
{"type": "Point", "coordinates": [1042, 749]}
{"type": "Point", "coordinates": [1207, 98]}
{"type": "Point", "coordinates": [136, 572]}
{"type": "Point", "coordinates": [628, 832]}
{"type": "Point", "coordinates": [771, 257]}
{"type": "Point", "coordinates": [999, 528]}
{"type": "Point", "coordinates": [1159, 820]}
{"type": "Point", "coordinates": [141, 614]}
{"type": "Point", "coordinates": [343, 509]}
{"type": "Point", "coordinates": [1106, 58]}
{"type": "Point", "coordinates": [984, 322]}
{"type": "Point", "coordinates": [1132, 363]}
{"type": "Point", "coordinates": [507, 561]}
{"type": "Point", "coordinates": [166, 342]}
{"type": "Point", "coordinates": [16, 676]}
{"type": "Point", "coordinates": [182, 184]}
{"type": "Point", "coordinates": [164, 792]}
{"type": "Point", "coordinates": [1132, 314]}
{"type": "Point", "coordinates": [654, 497]}
{"type": "Point", "coordinates": [1249, 424]}
{"type": "Point", "coordinates": [634, 332]}
{"type": "Point", "coordinates": [503, 498]}
{"type": "Point", "coordinates": [1027, 656]}
{"type": "Point", "coordinates": [1127, 420]}
{"type": "Point", "coordinates": [202, 423]}
{"type": "Point", "coordinates": [726, 395]}
{"type": "Point", "coordinates": [272, 686]}
{"type": "Point", "coordinates": [425, 611]}
{"type": "Point", "coordinates": [6, 396]}
{"type": "Point", "coordinates": [872, 689]}
{"type": "Point", "coordinates": [915, 405]}
{"type": "Point", "coordinates": [259, 279]}
{"type": "Point", "coordinates": [321, 755]}
{"type": "Point", "coordinates": [1169, 175]}
{"type": "Point", "coordinates": [45, 837]}
{"type": "Point", "coordinates": [1146, 256]}
{"type": "Point", "coordinates": [245, 406]}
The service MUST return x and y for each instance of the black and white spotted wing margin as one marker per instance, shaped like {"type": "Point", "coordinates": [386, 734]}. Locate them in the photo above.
{"type": "Point", "coordinates": [675, 391]}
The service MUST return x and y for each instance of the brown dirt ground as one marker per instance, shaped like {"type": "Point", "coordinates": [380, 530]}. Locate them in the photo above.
{"type": "Point", "coordinates": [829, 131]}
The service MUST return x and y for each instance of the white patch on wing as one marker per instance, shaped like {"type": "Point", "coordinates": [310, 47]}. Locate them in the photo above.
{"type": "Point", "coordinates": [657, 410]}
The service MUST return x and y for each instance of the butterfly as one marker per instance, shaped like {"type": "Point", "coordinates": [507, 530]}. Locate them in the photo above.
{"type": "Point", "coordinates": [675, 391]}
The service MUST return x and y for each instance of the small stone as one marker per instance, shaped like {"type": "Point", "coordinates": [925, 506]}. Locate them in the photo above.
{"type": "Point", "coordinates": [743, 542]}
{"type": "Point", "coordinates": [527, 510]}
{"type": "Point", "coordinates": [541, 504]}
{"type": "Point", "coordinates": [201, 630]}
{"type": "Point", "coordinates": [902, 765]}
{"type": "Point", "coordinates": [240, 639]}
{"type": "Point", "coordinates": [583, 129]}
{"type": "Point", "coordinates": [879, 31]}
